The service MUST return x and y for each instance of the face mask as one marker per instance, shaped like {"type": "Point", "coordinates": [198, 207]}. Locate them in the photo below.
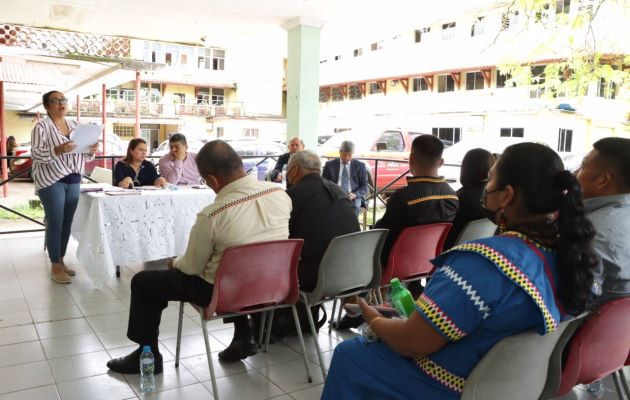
{"type": "Point", "coordinates": [490, 214]}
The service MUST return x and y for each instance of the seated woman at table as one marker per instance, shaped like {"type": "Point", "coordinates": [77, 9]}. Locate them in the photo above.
{"type": "Point", "coordinates": [135, 170]}
{"type": "Point", "coordinates": [526, 278]}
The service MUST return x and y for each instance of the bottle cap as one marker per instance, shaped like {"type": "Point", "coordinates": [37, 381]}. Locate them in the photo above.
{"type": "Point", "coordinates": [146, 349]}
{"type": "Point", "coordinates": [395, 282]}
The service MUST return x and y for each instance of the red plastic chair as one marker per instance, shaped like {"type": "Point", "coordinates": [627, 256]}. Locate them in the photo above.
{"type": "Point", "coordinates": [252, 278]}
{"type": "Point", "coordinates": [599, 347]}
{"type": "Point", "coordinates": [414, 247]}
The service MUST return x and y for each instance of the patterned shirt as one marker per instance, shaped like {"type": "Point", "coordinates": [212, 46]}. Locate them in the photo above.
{"type": "Point", "coordinates": [245, 211]}
{"type": "Point", "coordinates": [48, 167]}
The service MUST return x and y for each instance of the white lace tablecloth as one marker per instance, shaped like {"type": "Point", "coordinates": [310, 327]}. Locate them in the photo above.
{"type": "Point", "coordinates": [120, 230]}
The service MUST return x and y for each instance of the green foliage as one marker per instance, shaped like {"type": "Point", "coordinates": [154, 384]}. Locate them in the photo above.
{"type": "Point", "coordinates": [35, 213]}
{"type": "Point", "coordinates": [585, 65]}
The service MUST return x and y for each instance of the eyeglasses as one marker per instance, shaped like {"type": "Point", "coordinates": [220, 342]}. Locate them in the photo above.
{"type": "Point", "coordinates": [59, 101]}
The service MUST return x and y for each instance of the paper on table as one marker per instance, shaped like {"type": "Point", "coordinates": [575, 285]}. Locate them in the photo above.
{"type": "Point", "coordinates": [84, 136]}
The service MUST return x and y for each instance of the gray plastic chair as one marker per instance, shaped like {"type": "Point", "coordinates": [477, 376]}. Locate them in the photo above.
{"type": "Point", "coordinates": [477, 229]}
{"type": "Point", "coordinates": [515, 368]}
{"type": "Point", "coordinates": [554, 371]}
{"type": "Point", "coordinates": [350, 265]}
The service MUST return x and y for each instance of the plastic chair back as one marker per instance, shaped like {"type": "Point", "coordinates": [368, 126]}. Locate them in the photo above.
{"type": "Point", "coordinates": [481, 228]}
{"type": "Point", "coordinates": [414, 248]}
{"type": "Point", "coordinates": [599, 347]}
{"type": "Point", "coordinates": [351, 262]}
{"type": "Point", "coordinates": [515, 368]}
{"type": "Point", "coordinates": [102, 175]}
{"type": "Point", "coordinates": [255, 276]}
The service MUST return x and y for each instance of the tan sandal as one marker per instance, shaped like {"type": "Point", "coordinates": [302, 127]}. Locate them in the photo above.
{"type": "Point", "coordinates": [60, 277]}
{"type": "Point", "coordinates": [69, 271]}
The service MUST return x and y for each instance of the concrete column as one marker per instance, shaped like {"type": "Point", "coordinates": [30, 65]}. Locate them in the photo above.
{"type": "Point", "coordinates": [303, 79]}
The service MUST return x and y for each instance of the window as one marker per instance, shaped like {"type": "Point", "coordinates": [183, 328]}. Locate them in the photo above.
{"type": "Point", "coordinates": [449, 135]}
{"type": "Point", "coordinates": [377, 45]}
{"type": "Point", "coordinates": [446, 83]}
{"type": "Point", "coordinates": [563, 6]}
{"type": "Point", "coordinates": [218, 60]}
{"type": "Point", "coordinates": [358, 52]}
{"type": "Point", "coordinates": [586, 6]}
{"type": "Point", "coordinates": [203, 96]}
{"type": "Point", "coordinates": [150, 92]}
{"type": "Point", "coordinates": [474, 81]}
{"type": "Point", "coordinates": [337, 58]}
{"type": "Point", "coordinates": [112, 94]}
{"type": "Point", "coordinates": [512, 132]}
{"type": "Point", "coordinates": [322, 97]}
{"type": "Point", "coordinates": [375, 88]}
{"type": "Point", "coordinates": [184, 59]}
{"type": "Point", "coordinates": [510, 20]}
{"type": "Point", "coordinates": [392, 140]}
{"type": "Point", "coordinates": [502, 78]}
{"type": "Point", "coordinates": [419, 84]}
{"type": "Point", "coordinates": [477, 28]}
{"type": "Point", "coordinates": [168, 59]}
{"type": "Point", "coordinates": [124, 130]}
{"type": "Point", "coordinates": [421, 34]}
{"type": "Point", "coordinates": [565, 137]}
{"type": "Point", "coordinates": [538, 79]}
{"type": "Point", "coordinates": [128, 95]}
{"type": "Point", "coordinates": [543, 14]}
{"type": "Point", "coordinates": [251, 132]}
{"type": "Point", "coordinates": [180, 98]}
{"type": "Point", "coordinates": [218, 97]}
{"type": "Point", "coordinates": [354, 92]}
{"type": "Point", "coordinates": [448, 31]}
{"type": "Point", "coordinates": [607, 90]}
{"type": "Point", "coordinates": [220, 131]}
{"type": "Point", "coordinates": [336, 94]}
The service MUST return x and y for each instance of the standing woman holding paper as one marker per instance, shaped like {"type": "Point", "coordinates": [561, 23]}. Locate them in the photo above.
{"type": "Point", "coordinates": [57, 175]}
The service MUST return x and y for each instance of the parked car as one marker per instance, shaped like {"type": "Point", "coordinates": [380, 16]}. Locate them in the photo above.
{"type": "Point", "coordinates": [23, 164]}
{"type": "Point", "coordinates": [393, 145]}
{"type": "Point", "coordinates": [250, 148]}
{"type": "Point", "coordinates": [193, 146]}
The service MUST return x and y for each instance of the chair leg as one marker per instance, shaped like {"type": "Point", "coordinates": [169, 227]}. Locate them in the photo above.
{"type": "Point", "coordinates": [332, 316]}
{"type": "Point", "coordinates": [179, 333]}
{"type": "Point", "coordinates": [315, 339]}
{"type": "Point", "coordinates": [618, 387]}
{"type": "Point", "coordinates": [261, 330]}
{"type": "Point", "coordinates": [215, 390]}
{"type": "Point", "coordinates": [268, 335]}
{"type": "Point", "coordinates": [339, 312]}
{"type": "Point", "coordinates": [379, 296]}
{"type": "Point", "coordinates": [624, 382]}
{"type": "Point", "coordinates": [298, 329]}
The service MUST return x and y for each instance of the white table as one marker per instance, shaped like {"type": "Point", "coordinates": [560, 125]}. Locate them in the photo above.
{"type": "Point", "coordinates": [118, 230]}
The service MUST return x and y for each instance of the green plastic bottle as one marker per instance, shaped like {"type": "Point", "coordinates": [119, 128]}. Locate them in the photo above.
{"type": "Point", "coordinates": [401, 298]}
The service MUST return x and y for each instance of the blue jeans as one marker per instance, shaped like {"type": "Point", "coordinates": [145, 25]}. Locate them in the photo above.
{"type": "Point", "coordinates": [60, 202]}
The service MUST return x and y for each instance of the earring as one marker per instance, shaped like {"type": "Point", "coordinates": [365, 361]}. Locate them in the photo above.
{"type": "Point", "coordinates": [502, 222]}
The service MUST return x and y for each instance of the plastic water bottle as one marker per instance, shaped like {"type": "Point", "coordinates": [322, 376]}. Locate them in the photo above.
{"type": "Point", "coordinates": [401, 298]}
{"type": "Point", "coordinates": [367, 332]}
{"type": "Point", "coordinates": [284, 175]}
{"type": "Point", "coordinates": [254, 171]}
{"type": "Point", "coordinates": [172, 186]}
{"type": "Point", "coordinates": [147, 367]}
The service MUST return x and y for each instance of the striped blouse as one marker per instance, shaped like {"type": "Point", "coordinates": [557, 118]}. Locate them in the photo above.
{"type": "Point", "coordinates": [48, 168]}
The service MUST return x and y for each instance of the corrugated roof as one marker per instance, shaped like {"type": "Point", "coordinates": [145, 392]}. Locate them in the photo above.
{"type": "Point", "coordinates": [31, 74]}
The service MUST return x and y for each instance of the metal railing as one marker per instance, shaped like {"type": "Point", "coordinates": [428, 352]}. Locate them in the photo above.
{"type": "Point", "coordinates": [375, 192]}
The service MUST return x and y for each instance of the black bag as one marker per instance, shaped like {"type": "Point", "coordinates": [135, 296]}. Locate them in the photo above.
{"type": "Point", "coordinates": [283, 324]}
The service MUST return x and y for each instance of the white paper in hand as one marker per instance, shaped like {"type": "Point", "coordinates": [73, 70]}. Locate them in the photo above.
{"type": "Point", "coordinates": [84, 136]}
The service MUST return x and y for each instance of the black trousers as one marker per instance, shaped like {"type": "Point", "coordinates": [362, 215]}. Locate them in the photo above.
{"type": "Point", "coordinates": [150, 293]}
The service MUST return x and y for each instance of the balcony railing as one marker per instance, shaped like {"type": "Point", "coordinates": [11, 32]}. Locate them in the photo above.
{"type": "Point", "coordinates": [127, 109]}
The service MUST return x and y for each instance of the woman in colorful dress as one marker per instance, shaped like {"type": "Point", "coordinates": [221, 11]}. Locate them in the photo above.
{"type": "Point", "coordinates": [57, 172]}
{"type": "Point", "coordinates": [528, 277]}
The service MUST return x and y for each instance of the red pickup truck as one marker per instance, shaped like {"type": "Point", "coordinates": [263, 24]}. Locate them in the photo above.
{"type": "Point", "coordinates": [392, 146]}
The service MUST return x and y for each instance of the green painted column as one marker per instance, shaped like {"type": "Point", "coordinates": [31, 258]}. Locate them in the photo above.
{"type": "Point", "coordinates": [303, 80]}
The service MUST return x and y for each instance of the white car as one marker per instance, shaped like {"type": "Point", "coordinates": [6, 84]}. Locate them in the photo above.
{"type": "Point", "coordinates": [193, 146]}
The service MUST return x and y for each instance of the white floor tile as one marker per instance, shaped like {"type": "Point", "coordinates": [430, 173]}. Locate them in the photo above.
{"type": "Point", "coordinates": [101, 387]}
{"type": "Point", "coordinates": [169, 379]}
{"type": "Point", "coordinates": [70, 345]}
{"type": "Point", "coordinates": [17, 334]}
{"type": "Point", "coordinates": [55, 313]}
{"type": "Point", "coordinates": [249, 385]}
{"type": "Point", "coordinates": [40, 393]}
{"type": "Point", "coordinates": [278, 353]}
{"type": "Point", "coordinates": [24, 376]}
{"type": "Point", "coordinates": [76, 326]}
{"type": "Point", "coordinates": [20, 353]}
{"type": "Point", "coordinates": [313, 393]}
{"type": "Point", "coordinates": [192, 392]}
{"type": "Point", "coordinates": [193, 345]}
{"type": "Point", "coordinates": [79, 366]}
{"type": "Point", "coordinates": [15, 319]}
{"type": "Point", "coordinates": [291, 376]}
{"type": "Point", "coordinates": [198, 366]}
{"type": "Point", "coordinates": [106, 322]}
{"type": "Point", "coordinates": [114, 338]}
{"type": "Point", "coordinates": [102, 307]}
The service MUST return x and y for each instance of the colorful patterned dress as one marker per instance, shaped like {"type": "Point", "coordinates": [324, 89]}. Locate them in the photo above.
{"type": "Point", "coordinates": [481, 292]}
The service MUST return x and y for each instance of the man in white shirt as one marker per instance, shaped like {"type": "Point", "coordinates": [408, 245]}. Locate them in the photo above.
{"type": "Point", "coordinates": [244, 211]}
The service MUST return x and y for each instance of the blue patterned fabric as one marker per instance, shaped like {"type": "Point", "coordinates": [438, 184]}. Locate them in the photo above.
{"type": "Point", "coordinates": [481, 293]}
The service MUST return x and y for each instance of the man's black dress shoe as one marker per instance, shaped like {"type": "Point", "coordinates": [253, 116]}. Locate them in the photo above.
{"type": "Point", "coordinates": [238, 350]}
{"type": "Point", "coordinates": [130, 364]}
{"type": "Point", "coordinates": [348, 322]}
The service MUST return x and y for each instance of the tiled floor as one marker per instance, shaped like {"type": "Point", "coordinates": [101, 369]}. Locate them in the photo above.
{"type": "Point", "coordinates": [55, 341]}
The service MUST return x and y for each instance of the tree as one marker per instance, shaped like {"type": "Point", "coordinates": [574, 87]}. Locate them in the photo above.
{"type": "Point", "coordinates": [589, 58]}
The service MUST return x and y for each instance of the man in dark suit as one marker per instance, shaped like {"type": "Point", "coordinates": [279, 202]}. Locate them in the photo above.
{"type": "Point", "coordinates": [321, 211]}
{"type": "Point", "coordinates": [295, 144]}
{"type": "Point", "coordinates": [350, 174]}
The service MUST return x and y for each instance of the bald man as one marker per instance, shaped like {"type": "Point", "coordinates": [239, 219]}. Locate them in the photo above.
{"type": "Point", "coordinates": [295, 144]}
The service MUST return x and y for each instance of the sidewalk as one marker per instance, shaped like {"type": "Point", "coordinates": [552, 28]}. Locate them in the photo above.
{"type": "Point", "coordinates": [20, 193]}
